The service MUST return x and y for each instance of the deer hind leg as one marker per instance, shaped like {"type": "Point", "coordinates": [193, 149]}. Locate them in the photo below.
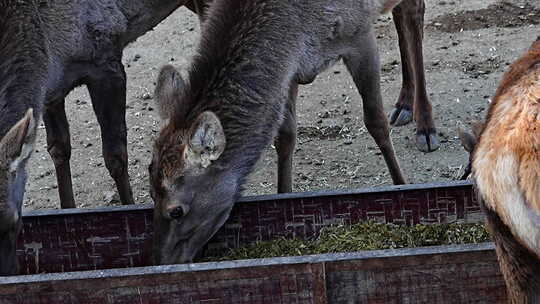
{"type": "Point", "coordinates": [519, 266]}
{"type": "Point", "coordinates": [108, 93]}
{"type": "Point", "coordinates": [413, 100]}
{"type": "Point", "coordinates": [286, 142]}
{"type": "Point", "coordinates": [364, 66]}
{"type": "Point", "coordinates": [59, 147]}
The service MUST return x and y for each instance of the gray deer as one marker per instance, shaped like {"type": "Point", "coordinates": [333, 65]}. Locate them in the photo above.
{"type": "Point", "coordinates": [240, 94]}
{"type": "Point", "coordinates": [47, 48]}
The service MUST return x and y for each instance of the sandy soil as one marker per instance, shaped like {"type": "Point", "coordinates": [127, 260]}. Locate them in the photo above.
{"type": "Point", "coordinates": [468, 45]}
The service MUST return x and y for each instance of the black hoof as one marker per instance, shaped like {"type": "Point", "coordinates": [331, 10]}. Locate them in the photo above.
{"type": "Point", "coordinates": [427, 142]}
{"type": "Point", "coordinates": [400, 117]}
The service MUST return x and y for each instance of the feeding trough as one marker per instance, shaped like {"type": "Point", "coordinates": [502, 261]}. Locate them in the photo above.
{"type": "Point", "coordinates": [103, 255]}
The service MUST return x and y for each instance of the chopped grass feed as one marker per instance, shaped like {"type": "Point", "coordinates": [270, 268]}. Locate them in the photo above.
{"type": "Point", "coordinates": [363, 236]}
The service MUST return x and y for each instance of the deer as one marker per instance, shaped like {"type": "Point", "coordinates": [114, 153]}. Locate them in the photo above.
{"type": "Point", "coordinates": [15, 150]}
{"type": "Point", "coordinates": [56, 51]}
{"type": "Point", "coordinates": [239, 95]}
{"type": "Point", "coordinates": [505, 162]}
{"type": "Point", "coordinates": [142, 16]}
{"type": "Point", "coordinates": [47, 49]}
{"type": "Point", "coordinates": [408, 18]}
{"type": "Point", "coordinates": [413, 103]}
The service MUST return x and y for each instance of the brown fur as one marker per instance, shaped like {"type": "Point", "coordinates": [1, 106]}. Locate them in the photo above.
{"type": "Point", "coordinates": [413, 101]}
{"type": "Point", "coordinates": [519, 68]}
{"type": "Point", "coordinates": [513, 122]}
{"type": "Point", "coordinates": [506, 170]}
{"type": "Point", "coordinates": [519, 266]}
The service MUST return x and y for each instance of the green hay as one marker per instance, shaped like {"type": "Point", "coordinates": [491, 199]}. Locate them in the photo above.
{"type": "Point", "coordinates": [363, 236]}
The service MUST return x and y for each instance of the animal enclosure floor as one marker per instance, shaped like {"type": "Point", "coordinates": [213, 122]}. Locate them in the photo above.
{"type": "Point", "coordinates": [468, 44]}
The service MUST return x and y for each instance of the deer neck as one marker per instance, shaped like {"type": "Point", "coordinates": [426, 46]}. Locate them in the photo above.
{"type": "Point", "coordinates": [24, 64]}
{"type": "Point", "coordinates": [519, 266]}
{"type": "Point", "coordinates": [144, 15]}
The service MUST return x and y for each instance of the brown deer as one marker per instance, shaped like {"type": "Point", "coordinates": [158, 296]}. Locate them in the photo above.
{"type": "Point", "coordinates": [240, 94]}
{"type": "Point", "coordinates": [506, 171]}
{"type": "Point", "coordinates": [413, 102]}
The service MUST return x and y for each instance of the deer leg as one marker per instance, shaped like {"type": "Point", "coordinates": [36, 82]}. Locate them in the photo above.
{"type": "Point", "coordinates": [285, 143]}
{"type": "Point", "coordinates": [403, 111]}
{"type": "Point", "coordinates": [409, 22]}
{"type": "Point", "coordinates": [364, 66]}
{"type": "Point", "coordinates": [59, 147]}
{"type": "Point", "coordinates": [519, 266]}
{"type": "Point", "coordinates": [108, 93]}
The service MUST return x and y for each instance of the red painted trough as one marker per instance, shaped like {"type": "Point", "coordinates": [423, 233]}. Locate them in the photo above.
{"type": "Point", "coordinates": [102, 255]}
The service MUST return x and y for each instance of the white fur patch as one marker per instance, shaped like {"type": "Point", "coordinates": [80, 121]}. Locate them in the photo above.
{"type": "Point", "coordinates": [524, 220]}
{"type": "Point", "coordinates": [497, 181]}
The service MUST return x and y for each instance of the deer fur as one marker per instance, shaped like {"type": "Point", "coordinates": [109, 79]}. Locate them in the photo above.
{"type": "Point", "coordinates": [47, 48]}
{"type": "Point", "coordinates": [506, 172]}
{"type": "Point", "coordinates": [413, 102]}
{"type": "Point", "coordinates": [240, 91]}
{"type": "Point", "coordinates": [64, 45]}
{"type": "Point", "coordinates": [15, 150]}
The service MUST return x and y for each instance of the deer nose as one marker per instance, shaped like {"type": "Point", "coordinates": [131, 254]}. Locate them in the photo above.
{"type": "Point", "coordinates": [176, 212]}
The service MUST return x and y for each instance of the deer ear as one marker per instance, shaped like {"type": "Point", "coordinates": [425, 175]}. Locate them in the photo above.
{"type": "Point", "coordinates": [468, 141]}
{"type": "Point", "coordinates": [477, 128]}
{"type": "Point", "coordinates": [169, 90]}
{"type": "Point", "coordinates": [17, 144]}
{"type": "Point", "coordinates": [207, 140]}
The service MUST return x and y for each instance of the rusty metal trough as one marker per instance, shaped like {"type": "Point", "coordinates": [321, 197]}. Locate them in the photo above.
{"type": "Point", "coordinates": [103, 255]}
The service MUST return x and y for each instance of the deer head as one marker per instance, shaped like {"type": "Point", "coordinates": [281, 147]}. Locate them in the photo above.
{"type": "Point", "coordinates": [15, 149]}
{"type": "Point", "coordinates": [192, 190]}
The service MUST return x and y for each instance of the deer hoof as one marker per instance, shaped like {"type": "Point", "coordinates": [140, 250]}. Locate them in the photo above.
{"type": "Point", "coordinates": [400, 117]}
{"type": "Point", "coordinates": [427, 142]}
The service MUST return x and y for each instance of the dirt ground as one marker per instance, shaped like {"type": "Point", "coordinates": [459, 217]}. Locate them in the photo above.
{"type": "Point", "coordinates": [467, 46]}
